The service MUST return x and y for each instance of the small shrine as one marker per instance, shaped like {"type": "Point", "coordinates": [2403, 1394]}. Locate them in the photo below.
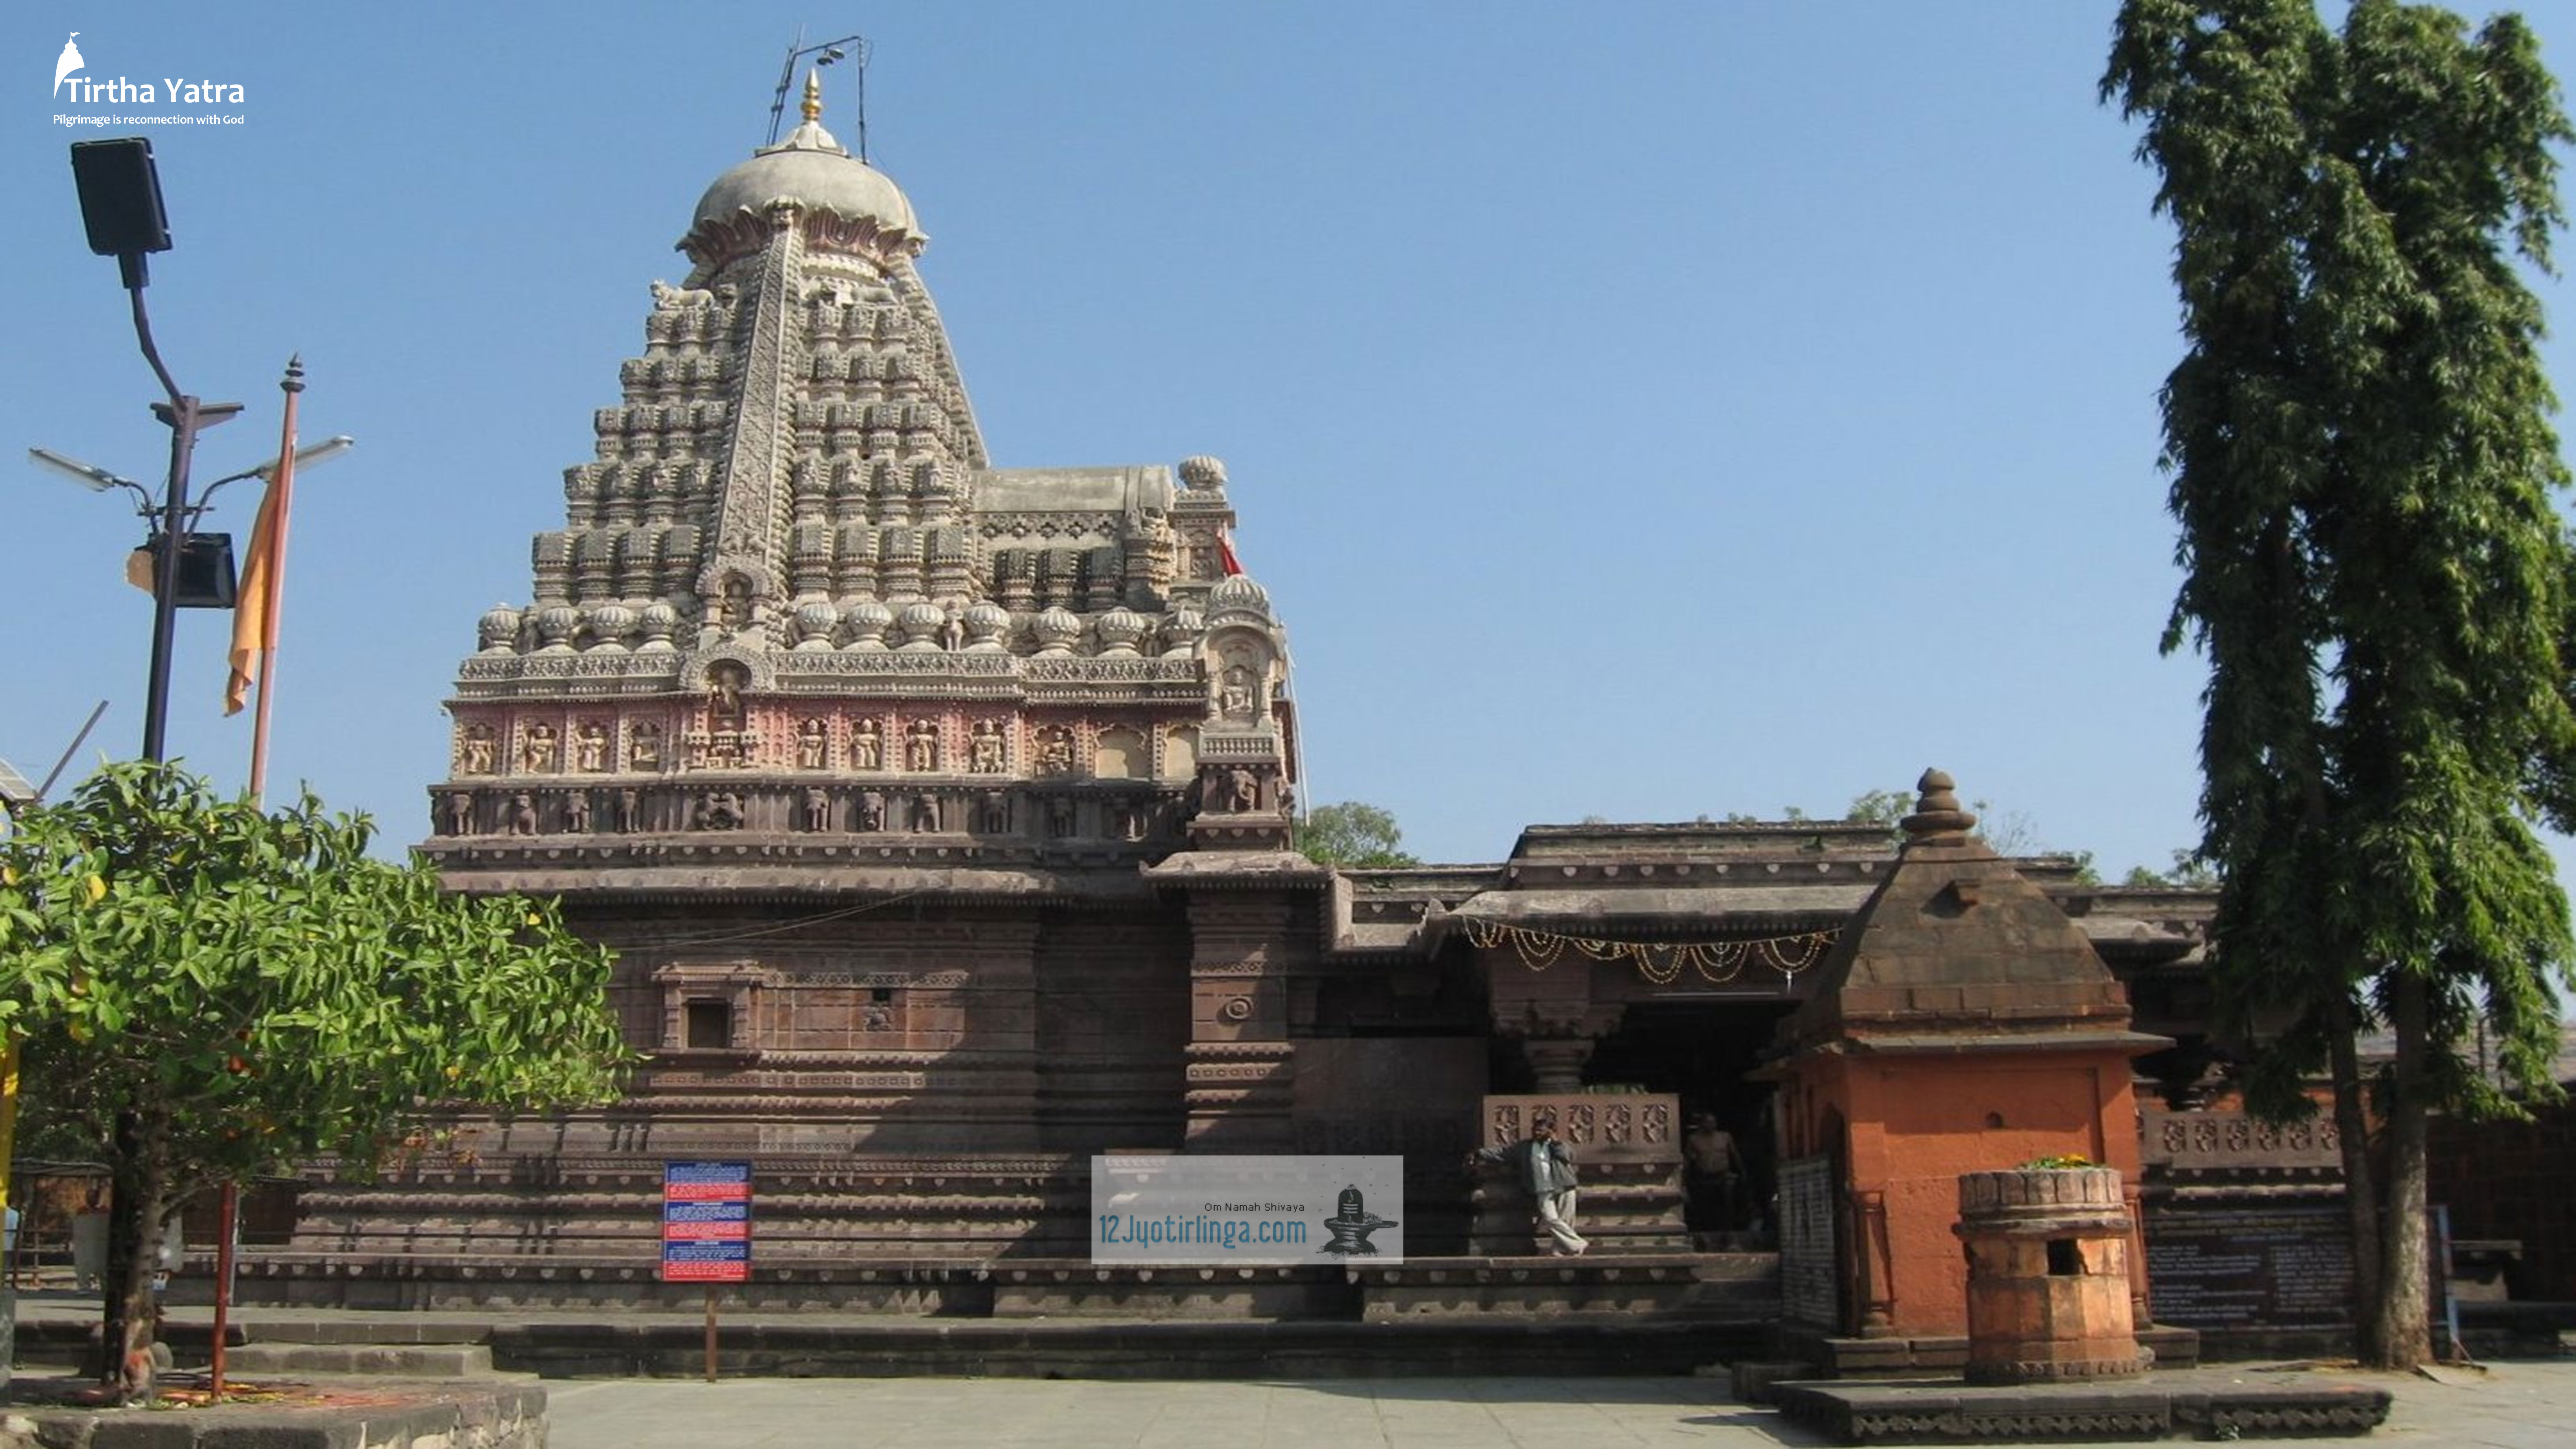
{"type": "Point", "coordinates": [1961, 1024]}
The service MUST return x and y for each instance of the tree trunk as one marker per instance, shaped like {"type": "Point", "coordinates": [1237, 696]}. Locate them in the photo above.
{"type": "Point", "coordinates": [2361, 1200]}
{"type": "Point", "coordinates": [131, 1316]}
{"type": "Point", "coordinates": [2401, 1335]}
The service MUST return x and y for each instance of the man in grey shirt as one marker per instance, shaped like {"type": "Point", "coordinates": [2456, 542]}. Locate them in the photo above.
{"type": "Point", "coordinates": [1544, 1168]}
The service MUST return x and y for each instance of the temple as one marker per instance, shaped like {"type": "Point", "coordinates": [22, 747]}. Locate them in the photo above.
{"type": "Point", "coordinates": [940, 817]}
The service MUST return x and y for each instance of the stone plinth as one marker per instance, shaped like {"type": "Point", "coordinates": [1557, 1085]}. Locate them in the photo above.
{"type": "Point", "coordinates": [2048, 1276]}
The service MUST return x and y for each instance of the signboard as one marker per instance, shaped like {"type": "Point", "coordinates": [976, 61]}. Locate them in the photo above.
{"type": "Point", "coordinates": [2251, 1265]}
{"type": "Point", "coordinates": [706, 1222]}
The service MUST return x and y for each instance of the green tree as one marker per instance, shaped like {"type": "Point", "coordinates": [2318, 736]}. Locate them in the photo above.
{"type": "Point", "coordinates": [210, 991]}
{"type": "Point", "coordinates": [2362, 466]}
{"type": "Point", "coordinates": [1352, 833]}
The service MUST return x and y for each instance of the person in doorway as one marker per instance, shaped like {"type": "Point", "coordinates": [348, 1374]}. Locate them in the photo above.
{"type": "Point", "coordinates": [1713, 1174]}
{"type": "Point", "coordinates": [1544, 1168]}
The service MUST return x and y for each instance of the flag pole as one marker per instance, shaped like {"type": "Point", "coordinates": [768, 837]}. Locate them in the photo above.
{"type": "Point", "coordinates": [281, 497]}
{"type": "Point", "coordinates": [268, 552]}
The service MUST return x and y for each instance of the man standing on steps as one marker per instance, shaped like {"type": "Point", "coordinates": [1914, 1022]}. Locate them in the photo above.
{"type": "Point", "coordinates": [1544, 1168]}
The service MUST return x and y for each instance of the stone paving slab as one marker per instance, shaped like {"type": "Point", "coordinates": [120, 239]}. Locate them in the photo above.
{"type": "Point", "coordinates": [2516, 1406]}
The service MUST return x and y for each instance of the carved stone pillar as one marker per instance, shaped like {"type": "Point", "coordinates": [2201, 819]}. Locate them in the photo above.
{"type": "Point", "coordinates": [1557, 1039]}
{"type": "Point", "coordinates": [1241, 1067]}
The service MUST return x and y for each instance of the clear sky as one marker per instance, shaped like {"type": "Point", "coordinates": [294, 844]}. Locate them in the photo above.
{"type": "Point", "coordinates": [1643, 410]}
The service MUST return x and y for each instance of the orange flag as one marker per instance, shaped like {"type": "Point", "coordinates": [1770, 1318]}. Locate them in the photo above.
{"type": "Point", "coordinates": [263, 571]}
{"type": "Point", "coordinates": [254, 611]}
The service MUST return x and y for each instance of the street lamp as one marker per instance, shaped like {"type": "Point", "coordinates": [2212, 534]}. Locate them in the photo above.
{"type": "Point", "coordinates": [205, 579]}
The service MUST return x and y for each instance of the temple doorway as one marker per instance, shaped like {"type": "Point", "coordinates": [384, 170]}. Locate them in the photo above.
{"type": "Point", "coordinates": [1700, 1051]}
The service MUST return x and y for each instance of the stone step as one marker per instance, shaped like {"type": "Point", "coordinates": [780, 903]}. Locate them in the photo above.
{"type": "Point", "coordinates": [405, 1360]}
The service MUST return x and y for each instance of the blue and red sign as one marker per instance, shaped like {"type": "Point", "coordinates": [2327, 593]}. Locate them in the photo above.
{"type": "Point", "coordinates": [706, 1222]}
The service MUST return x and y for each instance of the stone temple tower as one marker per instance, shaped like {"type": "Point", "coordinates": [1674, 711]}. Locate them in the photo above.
{"type": "Point", "coordinates": [792, 603]}
{"type": "Point", "coordinates": [857, 749]}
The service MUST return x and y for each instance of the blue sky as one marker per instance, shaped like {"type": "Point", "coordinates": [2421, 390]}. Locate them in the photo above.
{"type": "Point", "coordinates": [1641, 411]}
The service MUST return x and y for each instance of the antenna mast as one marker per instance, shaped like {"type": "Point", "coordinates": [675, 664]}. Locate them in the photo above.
{"type": "Point", "coordinates": [848, 47]}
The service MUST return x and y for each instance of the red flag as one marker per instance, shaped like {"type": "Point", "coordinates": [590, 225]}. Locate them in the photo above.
{"type": "Point", "coordinates": [1225, 555]}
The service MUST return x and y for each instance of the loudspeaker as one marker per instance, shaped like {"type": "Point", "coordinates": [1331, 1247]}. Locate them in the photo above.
{"type": "Point", "coordinates": [120, 196]}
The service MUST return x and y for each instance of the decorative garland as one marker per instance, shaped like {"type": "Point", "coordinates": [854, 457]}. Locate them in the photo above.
{"type": "Point", "coordinates": [1659, 962]}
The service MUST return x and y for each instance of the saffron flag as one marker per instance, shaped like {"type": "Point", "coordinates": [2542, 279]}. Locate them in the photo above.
{"type": "Point", "coordinates": [1225, 554]}
{"type": "Point", "coordinates": [255, 603]}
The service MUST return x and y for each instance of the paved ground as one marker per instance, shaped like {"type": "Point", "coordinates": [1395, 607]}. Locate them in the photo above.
{"type": "Point", "coordinates": [2513, 1406]}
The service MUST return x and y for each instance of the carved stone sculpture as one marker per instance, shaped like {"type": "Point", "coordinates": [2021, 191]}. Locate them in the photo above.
{"type": "Point", "coordinates": [921, 746]}
{"type": "Point", "coordinates": [925, 812]}
{"type": "Point", "coordinates": [871, 811]}
{"type": "Point", "coordinates": [1060, 818]}
{"type": "Point", "coordinates": [577, 812]}
{"type": "Point", "coordinates": [523, 814]}
{"type": "Point", "coordinates": [460, 812]}
{"type": "Point", "coordinates": [984, 751]}
{"type": "Point", "coordinates": [538, 753]}
{"type": "Point", "coordinates": [630, 811]}
{"type": "Point", "coordinates": [1234, 694]}
{"type": "Point", "coordinates": [818, 809]}
{"type": "Point", "coordinates": [994, 814]}
{"type": "Point", "coordinates": [721, 810]}
{"type": "Point", "coordinates": [1242, 790]}
{"type": "Point", "coordinates": [590, 746]}
{"type": "Point", "coordinates": [478, 749]}
{"type": "Point", "coordinates": [1055, 750]}
{"type": "Point", "coordinates": [812, 745]}
{"type": "Point", "coordinates": [867, 746]}
{"type": "Point", "coordinates": [644, 747]}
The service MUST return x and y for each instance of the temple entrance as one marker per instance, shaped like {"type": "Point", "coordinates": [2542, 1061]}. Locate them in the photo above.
{"type": "Point", "coordinates": [1700, 1051]}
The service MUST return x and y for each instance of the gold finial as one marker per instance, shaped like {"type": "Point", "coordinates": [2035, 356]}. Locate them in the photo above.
{"type": "Point", "coordinates": [813, 96]}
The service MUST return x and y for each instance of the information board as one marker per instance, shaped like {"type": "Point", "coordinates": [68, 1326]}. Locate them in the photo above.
{"type": "Point", "coordinates": [2255, 1265]}
{"type": "Point", "coordinates": [706, 1222]}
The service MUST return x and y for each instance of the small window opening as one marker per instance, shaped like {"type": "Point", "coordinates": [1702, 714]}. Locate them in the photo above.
{"type": "Point", "coordinates": [709, 1024]}
{"type": "Point", "coordinates": [881, 995]}
{"type": "Point", "coordinates": [2064, 1260]}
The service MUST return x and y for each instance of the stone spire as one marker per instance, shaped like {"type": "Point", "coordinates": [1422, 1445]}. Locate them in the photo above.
{"type": "Point", "coordinates": [792, 565]}
{"type": "Point", "coordinates": [1956, 944]}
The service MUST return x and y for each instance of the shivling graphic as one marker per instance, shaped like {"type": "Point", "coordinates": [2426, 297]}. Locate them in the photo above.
{"type": "Point", "coordinates": [70, 62]}
{"type": "Point", "coordinates": [1350, 1225]}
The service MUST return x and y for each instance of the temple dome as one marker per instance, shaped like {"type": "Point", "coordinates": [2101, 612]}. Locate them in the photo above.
{"type": "Point", "coordinates": [814, 171]}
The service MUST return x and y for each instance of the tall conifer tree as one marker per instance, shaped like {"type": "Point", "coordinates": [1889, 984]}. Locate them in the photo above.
{"type": "Point", "coordinates": [2363, 467]}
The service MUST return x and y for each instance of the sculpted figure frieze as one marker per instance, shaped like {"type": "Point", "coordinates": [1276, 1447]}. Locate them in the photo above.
{"type": "Point", "coordinates": [590, 746]}
{"type": "Point", "coordinates": [1055, 750]}
{"type": "Point", "coordinates": [721, 810]}
{"type": "Point", "coordinates": [539, 753]}
{"type": "Point", "coordinates": [984, 751]}
{"type": "Point", "coordinates": [644, 747]}
{"type": "Point", "coordinates": [867, 746]}
{"type": "Point", "coordinates": [921, 746]}
{"type": "Point", "coordinates": [478, 750]}
{"type": "Point", "coordinates": [813, 745]}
